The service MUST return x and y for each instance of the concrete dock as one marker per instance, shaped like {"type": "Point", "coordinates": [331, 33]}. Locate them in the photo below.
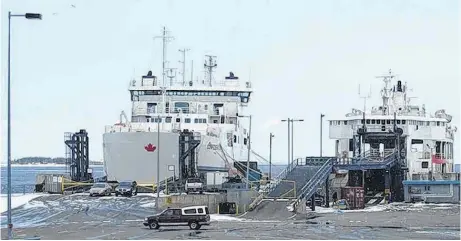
{"type": "Point", "coordinates": [82, 217]}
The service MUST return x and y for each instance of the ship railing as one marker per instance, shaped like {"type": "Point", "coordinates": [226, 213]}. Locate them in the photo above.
{"type": "Point", "coordinates": [178, 110]}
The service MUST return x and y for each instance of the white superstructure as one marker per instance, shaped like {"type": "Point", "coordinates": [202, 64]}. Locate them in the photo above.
{"type": "Point", "coordinates": [426, 135]}
{"type": "Point", "coordinates": [209, 107]}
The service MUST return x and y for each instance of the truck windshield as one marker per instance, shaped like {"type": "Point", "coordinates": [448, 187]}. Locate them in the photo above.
{"type": "Point", "coordinates": [206, 210]}
{"type": "Point", "coordinates": [193, 180]}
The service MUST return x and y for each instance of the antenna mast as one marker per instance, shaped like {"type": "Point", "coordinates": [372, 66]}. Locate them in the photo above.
{"type": "Point", "coordinates": [183, 51]}
{"type": "Point", "coordinates": [209, 66]}
{"type": "Point", "coordinates": [165, 39]}
{"type": "Point", "coordinates": [386, 91]}
{"type": "Point", "coordinates": [365, 99]}
{"type": "Point", "coordinates": [171, 74]}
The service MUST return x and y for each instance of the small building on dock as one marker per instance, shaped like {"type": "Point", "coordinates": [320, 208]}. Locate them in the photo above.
{"type": "Point", "coordinates": [441, 190]}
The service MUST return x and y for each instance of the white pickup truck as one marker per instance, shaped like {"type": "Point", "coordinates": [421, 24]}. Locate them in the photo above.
{"type": "Point", "coordinates": [194, 185]}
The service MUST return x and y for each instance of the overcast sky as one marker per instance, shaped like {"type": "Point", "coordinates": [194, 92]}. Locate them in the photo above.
{"type": "Point", "coordinates": [71, 70]}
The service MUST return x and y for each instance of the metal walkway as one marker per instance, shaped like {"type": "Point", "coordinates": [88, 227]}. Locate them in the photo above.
{"type": "Point", "coordinates": [302, 177]}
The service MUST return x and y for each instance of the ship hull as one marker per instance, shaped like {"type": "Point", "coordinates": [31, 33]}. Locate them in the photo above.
{"type": "Point", "coordinates": [125, 156]}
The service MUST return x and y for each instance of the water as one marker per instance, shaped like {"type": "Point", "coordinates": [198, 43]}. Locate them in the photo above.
{"type": "Point", "coordinates": [23, 178]}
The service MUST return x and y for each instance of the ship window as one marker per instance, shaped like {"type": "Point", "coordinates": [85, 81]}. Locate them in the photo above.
{"type": "Point", "coordinates": [378, 121]}
{"type": "Point", "coordinates": [388, 122]}
{"type": "Point", "coordinates": [438, 123]}
{"type": "Point", "coordinates": [244, 141]}
{"type": "Point", "coordinates": [361, 121]}
{"type": "Point", "coordinates": [398, 122]}
{"type": "Point", "coordinates": [427, 123]}
{"type": "Point", "coordinates": [331, 123]}
{"type": "Point", "coordinates": [168, 119]}
{"type": "Point", "coordinates": [443, 123]}
{"type": "Point", "coordinates": [178, 120]}
{"type": "Point", "coordinates": [205, 107]}
{"type": "Point", "coordinates": [373, 121]}
{"type": "Point", "coordinates": [235, 139]}
{"type": "Point", "coordinates": [196, 120]}
{"type": "Point", "coordinates": [203, 120]}
{"type": "Point", "coordinates": [403, 122]}
{"type": "Point", "coordinates": [345, 122]}
{"type": "Point", "coordinates": [187, 120]}
{"type": "Point", "coordinates": [368, 121]}
{"type": "Point", "coordinates": [424, 164]}
{"type": "Point", "coordinates": [158, 120]}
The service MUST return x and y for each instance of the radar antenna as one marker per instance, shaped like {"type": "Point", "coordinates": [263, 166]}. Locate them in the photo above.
{"type": "Point", "coordinates": [386, 90]}
{"type": "Point", "coordinates": [210, 66]}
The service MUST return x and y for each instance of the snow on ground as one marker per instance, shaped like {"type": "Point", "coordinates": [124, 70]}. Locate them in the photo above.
{"type": "Point", "coordinates": [377, 208]}
{"type": "Point", "coordinates": [148, 205]}
{"type": "Point", "coordinates": [17, 200]}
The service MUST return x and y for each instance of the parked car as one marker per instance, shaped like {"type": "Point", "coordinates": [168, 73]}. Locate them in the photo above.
{"type": "Point", "coordinates": [194, 217]}
{"type": "Point", "coordinates": [127, 188]}
{"type": "Point", "coordinates": [101, 189]}
{"type": "Point", "coordinates": [194, 185]}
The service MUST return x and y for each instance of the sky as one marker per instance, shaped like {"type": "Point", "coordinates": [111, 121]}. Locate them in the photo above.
{"type": "Point", "coordinates": [71, 70]}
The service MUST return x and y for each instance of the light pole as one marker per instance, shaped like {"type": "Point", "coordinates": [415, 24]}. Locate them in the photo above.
{"type": "Point", "coordinates": [270, 156]}
{"type": "Point", "coordinates": [291, 150]}
{"type": "Point", "coordinates": [158, 163]}
{"type": "Point", "coordinates": [28, 16]}
{"type": "Point", "coordinates": [321, 134]}
{"type": "Point", "coordinates": [249, 150]}
{"type": "Point", "coordinates": [288, 120]}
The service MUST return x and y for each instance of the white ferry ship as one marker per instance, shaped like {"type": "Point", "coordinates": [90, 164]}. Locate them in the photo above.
{"type": "Point", "coordinates": [429, 139]}
{"type": "Point", "coordinates": [210, 107]}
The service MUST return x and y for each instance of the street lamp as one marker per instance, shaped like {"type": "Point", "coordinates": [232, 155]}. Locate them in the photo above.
{"type": "Point", "coordinates": [270, 156]}
{"type": "Point", "coordinates": [321, 134]}
{"type": "Point", "coordinates": [158, 163]}
{"type": "Point", "coordinates": [28, 16]}
{"type": "Point", "coordinates": [249, 149]}
{"type": "Point", "coordinates": [292, 139]}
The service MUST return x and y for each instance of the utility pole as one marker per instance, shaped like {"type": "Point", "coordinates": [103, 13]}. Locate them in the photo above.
{"type": "Point", "coordinates": [290, 129]}
{"type": "Point", "coordinates": [289, 154]}
{"type": "Point", "coordinates": [321, 134]}
{"type": "Point", "coordinates": [192, 71]}
{"type": "Point", "coordinates": [270, 156]}
{"type": "Point", "coordinates": [183, 51]}
{"type": "Point", "coordinates": [158, 164]}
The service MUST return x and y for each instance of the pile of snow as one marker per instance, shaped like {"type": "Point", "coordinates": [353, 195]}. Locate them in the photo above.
{"type": "Point", "coordinates": [377, 208]}
{"type": "Point", "coordinates": [17, 200]}
{"type": "Point", "coordinates": [148, 205]}
{"type": "Point", "coordinates": [220, 217]}
{"type": "Point", "coordinates": [34, 204]}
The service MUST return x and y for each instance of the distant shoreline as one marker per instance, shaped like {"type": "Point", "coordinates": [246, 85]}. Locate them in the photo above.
{"type": "Point", "coordinates": [42, 165]}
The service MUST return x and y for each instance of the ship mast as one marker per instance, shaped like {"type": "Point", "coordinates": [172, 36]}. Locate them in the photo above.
{"type": "Point", "coordinates": [386, 91]}
{"type": "Point", "coordinates": [183, 51]}
{"type": "Point", "coordinates": [165, 39]}
{"type": "Point", "coordinates": [209, 67]}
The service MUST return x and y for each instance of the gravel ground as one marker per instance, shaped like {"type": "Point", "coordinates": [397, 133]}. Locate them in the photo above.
{"type": "Point", "coordinates": [81, 217]}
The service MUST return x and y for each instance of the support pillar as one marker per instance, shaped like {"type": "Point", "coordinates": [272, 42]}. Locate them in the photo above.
{"type": "Point", "coordinates": [327, 193]}
{"type": "Point", "coordinates": [313, 202]}
{"type": "Point", "coordinates": [387, 183]}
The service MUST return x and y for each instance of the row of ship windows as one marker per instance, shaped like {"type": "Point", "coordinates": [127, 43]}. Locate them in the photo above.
{"type": "Point", "coordinates": [177, 120]}
{"type": "Point", "coordinates": [389, 122]}
{"type": "Point", "coordinates": [192, 93]}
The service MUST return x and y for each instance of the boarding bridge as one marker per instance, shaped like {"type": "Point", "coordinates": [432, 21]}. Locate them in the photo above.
{"type": "Point", "coordinates": [303, 177]}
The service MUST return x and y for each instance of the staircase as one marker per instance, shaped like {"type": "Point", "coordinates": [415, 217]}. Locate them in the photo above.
{"type": "Point", "coordinates": [315, 181]}
{"type": "Point", "coordinates": [293, 180]}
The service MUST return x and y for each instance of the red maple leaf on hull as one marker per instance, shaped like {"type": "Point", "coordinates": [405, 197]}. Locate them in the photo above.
{"type": "Point", "coordinates": [150, 147]}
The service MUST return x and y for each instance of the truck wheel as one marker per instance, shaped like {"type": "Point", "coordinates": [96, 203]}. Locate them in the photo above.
{"type": "Point", "coordinates": [116, 194]}
{"type": "Point", "coordinates": [154, 225]}
{"type": "Point", "coordinates": [194, 225]}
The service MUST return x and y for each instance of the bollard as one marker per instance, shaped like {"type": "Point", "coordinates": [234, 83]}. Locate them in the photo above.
{"type": "Point", "coordinates": [218, 209]}
{"type": "Point", "coordinates": [237, 209]}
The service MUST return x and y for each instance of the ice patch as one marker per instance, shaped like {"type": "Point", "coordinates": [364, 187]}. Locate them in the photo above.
{"type": "Point", "coordinates": [377, 208]}
{"type": "Point", "coordinates": [17, 200]}
{"type": "Point", "coordinates": [153, 194]}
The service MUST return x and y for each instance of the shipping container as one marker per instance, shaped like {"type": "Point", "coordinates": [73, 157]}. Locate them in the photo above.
{"type": "Point", "coordinates": [355, 197]}
{"type": "Point", "coordinates": [214, 180]}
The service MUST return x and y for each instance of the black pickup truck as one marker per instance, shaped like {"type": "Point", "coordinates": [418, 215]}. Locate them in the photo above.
{"type": "Point", "coordinates": [194, 217]}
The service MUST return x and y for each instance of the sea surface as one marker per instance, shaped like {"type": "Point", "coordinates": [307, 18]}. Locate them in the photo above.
{"type": "Point", "coordinates": [23, 177]}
